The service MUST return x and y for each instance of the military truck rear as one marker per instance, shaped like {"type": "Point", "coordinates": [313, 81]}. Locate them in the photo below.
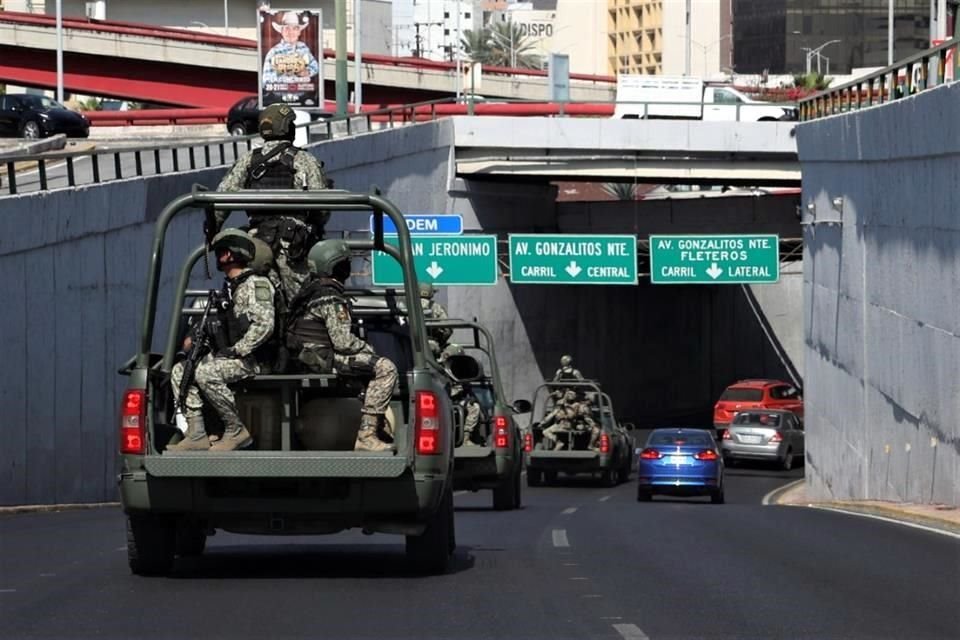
{"type": "Point", "coordinates": [611, 459]}
{"type": "Point", "coordinates": [302, 475]}
{"type": "Point", "coordinates": [494, 458]}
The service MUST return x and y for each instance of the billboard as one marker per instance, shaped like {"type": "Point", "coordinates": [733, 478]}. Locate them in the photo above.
{"type": "Point", "coordinates": [291, 57]}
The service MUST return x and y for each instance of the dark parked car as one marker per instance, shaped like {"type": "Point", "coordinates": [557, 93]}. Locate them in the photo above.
{"type": "Point", "coordinates": [33, 116]}
{"type": "Point", "coordinates": [243, 117]}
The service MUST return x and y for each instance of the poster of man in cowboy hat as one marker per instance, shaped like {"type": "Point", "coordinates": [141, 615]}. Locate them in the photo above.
{"type": "Point", "coordinates": [290, 72]}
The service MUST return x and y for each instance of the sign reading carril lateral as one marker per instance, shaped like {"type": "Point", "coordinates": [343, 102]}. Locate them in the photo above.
{"type": "Point", "coordinates": [573, 259]}
{"type": "Point", "coordinates": [442, 260]}
{"type": "Point", "coordinates": [714, 259]}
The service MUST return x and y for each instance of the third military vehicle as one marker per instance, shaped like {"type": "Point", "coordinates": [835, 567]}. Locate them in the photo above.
{"type": "Point", "coordinates": [612, 457]}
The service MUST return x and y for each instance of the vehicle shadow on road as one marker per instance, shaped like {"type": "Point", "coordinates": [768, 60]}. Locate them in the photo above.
{"type": "Point", "coordinates": [309, 561]}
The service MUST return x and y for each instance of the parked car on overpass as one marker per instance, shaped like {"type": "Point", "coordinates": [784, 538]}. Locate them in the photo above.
{"type": "Point", "coordinates": [242, 119]}
{"type": "Point", "coordinates": [36, 116]}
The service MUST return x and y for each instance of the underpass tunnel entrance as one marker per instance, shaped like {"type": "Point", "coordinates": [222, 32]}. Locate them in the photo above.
{"type": "Point", "coordinates": [664, 353]}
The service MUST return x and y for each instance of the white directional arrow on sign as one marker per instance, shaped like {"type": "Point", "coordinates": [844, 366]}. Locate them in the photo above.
{"type": "Point", "coordinates": [434, 270]}
{"type": "Point", "coordinates": [573, 269]}
{"type": "Point", "coordinates": [714, 271]}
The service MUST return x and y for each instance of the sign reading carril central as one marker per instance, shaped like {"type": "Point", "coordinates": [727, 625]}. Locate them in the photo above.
{"type": "Point", "coordinates": [573, 259]}
{"type": "Point", "coordinates": [442, 260]}
{"type": "Point", "coordinates": [720, 259]}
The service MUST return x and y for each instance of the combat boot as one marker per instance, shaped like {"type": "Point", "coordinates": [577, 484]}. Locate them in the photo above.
{"type": "Point", "coordinates": [235, 436]}
{"type": "Point", "coordinates": [557, 445]}
{"type": "Point", "coordinates": [367, 439]}
{"type": "Point", "coordinates": [195, 438]}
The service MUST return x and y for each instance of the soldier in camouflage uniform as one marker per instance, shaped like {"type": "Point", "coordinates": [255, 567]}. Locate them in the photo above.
{"type": "Point", "coordinates": [568, 416]}
{"type": "Point", "coordinates": [280, 165]}
{"type": "Point", "coordinates": [319, 335]}
{"type": "Point", "coordinates": [460, 394]}
{"type": "Point", "coordinates": [566, 370]}
{"type": "Point", "coordinates": [249, 326]}
{"type": "Point", "coordinates": [437, 336]}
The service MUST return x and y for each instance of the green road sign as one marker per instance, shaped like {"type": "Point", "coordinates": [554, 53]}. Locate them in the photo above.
{"type": "Point", "coordinates": [442, 260]}
{"type": "Point", "coordinates": [573, 259]}
{"type": "Point", "coordinates": [715, 259]}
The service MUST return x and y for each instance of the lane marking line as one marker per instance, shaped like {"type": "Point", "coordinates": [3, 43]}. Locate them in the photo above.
{"type": "Point", "coordinates": [611, 617]}
{"type": "Point", "coordinates": [591, 595]}
{"type": "Point", "coordinates": [571, 564]}
{"type": "Point", "coordinates": [48, 575]}
{"type": "Point", "coordinates": [569, 510]}
{"type": "Point", "coordinates": [579, 578]}
{"type": "Point", "coordinates": [460, 493]}
{"type": "Point", "coordinates": [560, 538]}
{"type": "Point", "coordinates": [767, 499]}
{"type": "Point", "coordinates": [605, 498]}
{"type": "Point", "coordinates": [8, 590]}
{"type": "Point", "coordinates": [630, 632]}
{"type": "Point", "coordinates": [913, 525]}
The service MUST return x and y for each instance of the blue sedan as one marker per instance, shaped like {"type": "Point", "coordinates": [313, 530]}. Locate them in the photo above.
{"type": "Point", "coordinates": [680, 462]}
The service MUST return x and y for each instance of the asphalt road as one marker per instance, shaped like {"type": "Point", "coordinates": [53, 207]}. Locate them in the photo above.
{"type": "Point", "coordinates": [29, 181]}
{"type": "Point", "coordinates": [578, 561]}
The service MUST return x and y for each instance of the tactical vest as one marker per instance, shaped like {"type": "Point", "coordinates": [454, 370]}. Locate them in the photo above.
{"type": "Point", "coordinates": [236, 326]}
{"type": "Point", "coordinates": [264, 174]}
{"type": "Point", "coordinates": [303, 329]}
{"type": "Point", "coordinates": [566, 373]}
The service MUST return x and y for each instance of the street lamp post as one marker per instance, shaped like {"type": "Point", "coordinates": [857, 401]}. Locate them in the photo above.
{"type": "Point", "coordinates": [706, 48]}
{"type": "Point", "coordinates": [816, 52]}
{"type": "Point", "coordinates": [59, 51]}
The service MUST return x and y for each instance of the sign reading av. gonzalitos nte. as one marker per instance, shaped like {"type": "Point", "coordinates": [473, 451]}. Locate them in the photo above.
{"type": "Point", "coordinates": [714, 259]}
{"type": "Point", "coordinates": [573, 259]}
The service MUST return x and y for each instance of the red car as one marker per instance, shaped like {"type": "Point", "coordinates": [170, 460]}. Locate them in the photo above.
{"type": "Point", "coordinates": [756, 394]}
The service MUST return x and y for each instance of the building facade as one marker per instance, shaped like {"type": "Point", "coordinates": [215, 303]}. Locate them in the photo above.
{"type": "Point", "coordinates": [779, 35]}
{"type": "Point", "coordinates": [649, 37]}
{"type": "Point", "coordinates": [430, 28]}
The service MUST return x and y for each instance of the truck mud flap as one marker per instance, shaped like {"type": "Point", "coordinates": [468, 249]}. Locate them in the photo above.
{"type": "Point", "coordinates": [273, 464]}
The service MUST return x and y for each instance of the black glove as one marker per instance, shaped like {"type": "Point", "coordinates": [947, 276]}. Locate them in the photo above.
{"type": "Point", "coordinates": [229, 352]}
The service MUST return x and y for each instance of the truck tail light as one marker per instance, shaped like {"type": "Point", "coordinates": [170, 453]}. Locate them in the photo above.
{"type": "Point", "coordinates": [604, 443]}
{"type": "Point", "coordinates": [133, 422]}
{"type": "Point", "coordinates": [528, 442]}
{"type": "Point", "coordinates": [501, 432]}
{"type": "Point", "coordinates": [427, 423]}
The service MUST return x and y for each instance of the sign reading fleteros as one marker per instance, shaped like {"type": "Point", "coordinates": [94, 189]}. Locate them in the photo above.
{"type": "Point", "coordinates": [442, 260]}
{"type": "Point", "coordinates": [714, 259]}
{"type": "Point", "coordinates": [573, 259]}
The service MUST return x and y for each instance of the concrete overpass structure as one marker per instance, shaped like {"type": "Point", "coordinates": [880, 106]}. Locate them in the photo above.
{"type": "Point", "coordinates": [182, 67]}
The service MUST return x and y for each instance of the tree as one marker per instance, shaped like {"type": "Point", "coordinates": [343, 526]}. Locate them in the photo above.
{"type": "Point", "coordinates": [511, 48]}
{"type": "Point", "coordinates": [621, 190]}
{"type": "Point", "coordinates": [476, 45]}
{"type": "Point", "coordinates": [812, 80]}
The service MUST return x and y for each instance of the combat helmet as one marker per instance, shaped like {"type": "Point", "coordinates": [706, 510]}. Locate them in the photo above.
{"type": "Point", "coordinates": [276, 122]}
{"type": "Point", "coordinates": [325, 255]}
{"type": "Point", "coordinates": [565, 361]}
{"type": "Point", "coordinates": [427, 290]}
{"type": "Point", "coordinates": [237, 242]}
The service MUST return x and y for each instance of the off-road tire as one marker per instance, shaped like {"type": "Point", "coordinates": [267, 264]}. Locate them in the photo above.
{"type": "Point", "coordinates": [191, 540]}
{"type": "Point", "coordinates": [507, 495]}
{"type": "Point", "coordinates": [534, 478]}
{"type": "Point", "coordinates": [429, 553]}
{"type": "Point", "coordinates": [151, 543]}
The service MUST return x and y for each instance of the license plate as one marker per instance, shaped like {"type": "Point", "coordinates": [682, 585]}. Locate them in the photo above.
{"type": "Point", "coordinates": [677, 460]}
{"type": "Point", "coordinates": [752, 439]}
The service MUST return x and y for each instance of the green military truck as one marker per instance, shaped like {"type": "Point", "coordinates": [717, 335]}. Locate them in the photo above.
{"type": "Point", "coordinates": [495, 459]}
{"type": "Point", "coordinates": [302, 475]}
{"type": "Point", "coordinates": [611, 460]}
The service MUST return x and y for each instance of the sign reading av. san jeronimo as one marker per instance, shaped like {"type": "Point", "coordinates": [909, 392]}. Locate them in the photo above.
{"type": "Point", "coordinates": [714, 259]}
{"type": "Point", "coordinates": [442, 260]}
{"type": "Point", "coordinates": [573, 259]}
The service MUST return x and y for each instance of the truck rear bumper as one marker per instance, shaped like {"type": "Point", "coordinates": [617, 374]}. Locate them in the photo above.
{"type": "Point", "coordinates": [276, 464]}
{"type": "Point", "coordinates": [567, 461]}
{"type": "Point", "coordinates": [480, 468]}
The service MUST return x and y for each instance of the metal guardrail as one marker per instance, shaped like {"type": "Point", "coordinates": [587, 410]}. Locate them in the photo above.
{"type": "Point", "coordinates": [919, 72]}
{"type": "Point", "coordinates": [214, 152]}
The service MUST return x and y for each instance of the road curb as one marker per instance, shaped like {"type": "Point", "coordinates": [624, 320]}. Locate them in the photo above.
{"type": "Point", "coordinates": [20, 167]}
{"type": "Point", "coordinates": [773, 498]}
{"type": "Point", "coordinates": [46, 508]}
{"type": "Point", "coordinates": [890, 514]}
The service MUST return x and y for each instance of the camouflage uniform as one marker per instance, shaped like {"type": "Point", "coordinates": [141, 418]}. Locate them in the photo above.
{"type": "Point", "coordinates": [567, 373]}
{"type": "Point", "coordinates": [290, 274]}
{"type": "Point", "coordinates": [349, 355]}
{"type": "Point", "coordinates": [568, 416]}
{"type": "Point", "coordinates": [253, 301]}
{"type": "Point", "coordinates": [471, 407]}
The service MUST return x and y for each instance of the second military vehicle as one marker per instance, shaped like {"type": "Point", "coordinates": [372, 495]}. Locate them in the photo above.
{"type": "Point", "coordinates": [611, 458]}
{"type": "Point", "coordinates": [302, 475]}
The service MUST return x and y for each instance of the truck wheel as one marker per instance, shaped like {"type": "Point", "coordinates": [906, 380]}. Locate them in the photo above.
{"type": "Point", "coordinates": [550, 477]}
{"type": "Point", "coordinates": [518, 494]}
{"type": "Point", "coordinates": [534, 478]}
{"type": "Point", "coordinates": [191, 540]}
{"type": "Point", "coordinates": [150, 545]}
{"type": "Point", "coordinates": [609, 477]}
{"type": "Point", "coordinates": [507, 495]}
{"type": "Point", "coordinates": [429, 553]}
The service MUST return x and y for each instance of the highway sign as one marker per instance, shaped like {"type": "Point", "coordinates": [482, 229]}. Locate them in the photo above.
{"type": "Point", "coordinates": [714, 259]}
{"type": "Point", "coordinates": [442, 260]}
{"type": "Point", "coordinates": [573, 259]}
{"type": "Point", "coordinates": [444, 224]}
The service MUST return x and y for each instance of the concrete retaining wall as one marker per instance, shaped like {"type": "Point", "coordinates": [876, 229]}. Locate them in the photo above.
{"type": "Point", "coordinates": [881, 300]}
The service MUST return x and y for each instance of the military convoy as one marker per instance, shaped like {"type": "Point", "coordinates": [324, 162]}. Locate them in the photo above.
{"type": "Point", "coordinates": [611, 455]}
{"type": "Point", "coordinates": [302, 474]}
